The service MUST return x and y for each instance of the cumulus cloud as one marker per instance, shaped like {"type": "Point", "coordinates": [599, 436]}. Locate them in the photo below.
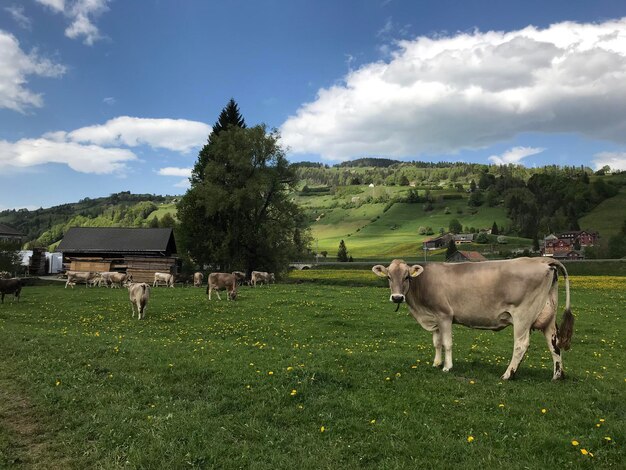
{"type": "Point", "coordinates": [17, 13]}
{"type": "Point", "coordinates": [616, 160]}
{"type": "Point", "coordinates": [173, 171]}
{"type": "Point", "coordinates": [179, 135]}
{"type": "Point", "coordinates": [515, 155]}
{"type": "Point", "coordinates": [470, 90]}
{"type": "Point", "coordinates": [81, 14]}
{"type": "Point", "coordinates": [82, 158]}
{"type": "Point", "coordinates": [15, 67]}
{"type": "Point", "coordinates": [100, 148]}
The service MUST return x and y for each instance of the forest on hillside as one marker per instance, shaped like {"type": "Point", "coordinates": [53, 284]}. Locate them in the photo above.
{"type": "Point", "coordinates": [537, 201]}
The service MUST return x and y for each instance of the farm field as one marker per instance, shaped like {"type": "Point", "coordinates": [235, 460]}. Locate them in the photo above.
{"type": "Point", "coordinates": [325, 375]}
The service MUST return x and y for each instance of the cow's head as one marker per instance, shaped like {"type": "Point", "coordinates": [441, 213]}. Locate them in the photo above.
{"type": "Point", "coordinates": [399, 274]}
{"type": "Point", "coordinates": [232, 295]}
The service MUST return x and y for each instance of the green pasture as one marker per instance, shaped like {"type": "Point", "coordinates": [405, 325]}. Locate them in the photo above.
{"type": "Point", "coordinates": [319, 374]}
{"type": "Point", "coordinates": [607, 217]}
{"type": "Point", "coordinates": [165, 208]}
{"type": "Point", "coordinates": [369, 232]}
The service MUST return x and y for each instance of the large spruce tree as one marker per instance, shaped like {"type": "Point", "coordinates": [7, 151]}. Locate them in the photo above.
{"type": "Point", "coordinates": [238, 213]}
{"type": "Point", "coordinates": [229, 117]}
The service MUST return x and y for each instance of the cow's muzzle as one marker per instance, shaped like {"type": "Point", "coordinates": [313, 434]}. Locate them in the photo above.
{"type": "Point", "coordinates": [397, 298]}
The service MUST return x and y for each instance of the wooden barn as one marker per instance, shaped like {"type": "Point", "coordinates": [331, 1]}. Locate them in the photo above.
{"type": "Point", "coordinates": [137, 251]}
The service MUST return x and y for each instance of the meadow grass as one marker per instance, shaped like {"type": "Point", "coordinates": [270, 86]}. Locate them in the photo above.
{"type": "Point", "coordinates": [309, 375]}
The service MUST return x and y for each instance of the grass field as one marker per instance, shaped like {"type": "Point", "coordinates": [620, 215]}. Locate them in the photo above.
{"type": "Point", "coordinates": [313, 375]}
{"type": "Point", "coordinates": [607, 217]}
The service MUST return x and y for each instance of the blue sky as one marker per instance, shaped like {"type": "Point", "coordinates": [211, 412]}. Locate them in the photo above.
{"type": "Point", "coordinates": [101, 96]}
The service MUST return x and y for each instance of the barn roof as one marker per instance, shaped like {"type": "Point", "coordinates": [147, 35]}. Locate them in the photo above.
{"type": "Point", "coordinates": [6, 230]}
{"type": "Point", "coordinates": [117, 240]}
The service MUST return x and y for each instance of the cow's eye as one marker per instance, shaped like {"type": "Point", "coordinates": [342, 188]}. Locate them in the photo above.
{"type": "Point", "coordinates": [408, 276]}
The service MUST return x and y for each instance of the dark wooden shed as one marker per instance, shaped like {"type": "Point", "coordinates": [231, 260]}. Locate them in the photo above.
{"type": "Point", "coordinates": [137, 251]}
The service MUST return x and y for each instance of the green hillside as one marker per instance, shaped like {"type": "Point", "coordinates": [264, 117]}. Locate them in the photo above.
{"type": "Point", "coordinates": [607, 218]}
{"type": "Point", "coordinates": [388, 210]}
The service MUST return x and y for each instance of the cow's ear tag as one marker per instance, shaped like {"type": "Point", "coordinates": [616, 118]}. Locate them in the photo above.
{"type": "Point", "coordinates": [415, 270]}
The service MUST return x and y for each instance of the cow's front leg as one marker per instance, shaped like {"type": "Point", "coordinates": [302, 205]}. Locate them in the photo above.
{"type": "Point", "coordinates": [437, 344]}
{"type": "Point", "coordinates": [445, 330]}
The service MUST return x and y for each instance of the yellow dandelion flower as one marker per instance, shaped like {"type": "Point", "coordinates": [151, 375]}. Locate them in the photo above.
{"type": "Point", "coordinates": [270, 373]}
{"type": "Point", "coordinates": [575, 443]}
{"type": "Point", "coordinates": [472, 382]}
{"type": "Point", "coordinates": [373, 421]}
{"type": "Point", "coordinates": [387, 378]}
{"type": "Point", "coordinates": [584, 451]}
{"type": "Point", "coordinates": [470, 438]}
{"type": "Point", "coordinates": [58, 382]}
{"type": "Point", "coordinates": [544, 411]}
{"type": "Point", "coordinates": [294, 392]}
{"type": "Point", "coordinates": [322, 429]}
{"type": "Point", "coordinates": [501, 405]}
{"type": "Point", "coordinates": [602, 420]}
{"type": "Point", "coordinates": [607, 438]}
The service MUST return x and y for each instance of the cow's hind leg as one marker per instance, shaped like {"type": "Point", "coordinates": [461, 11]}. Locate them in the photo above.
{"type": "Point", "coordinates": [437, 344]}
{"type": "Point", "coordinates": [551, 335]}
{"type": "Point", "coordinates": [521, 334]}
{"type": "Point", "coordinates": [445, 331]}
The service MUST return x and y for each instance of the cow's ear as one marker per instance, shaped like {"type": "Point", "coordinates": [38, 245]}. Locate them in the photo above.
{"type": "Point", "coordinates": [416, 270]}
{"type": "Point", "coordinates": [380, 270]}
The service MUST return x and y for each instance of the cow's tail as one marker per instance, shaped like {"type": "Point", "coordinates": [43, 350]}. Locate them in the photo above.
{"type": "Point", "coordinates": [566, 328]}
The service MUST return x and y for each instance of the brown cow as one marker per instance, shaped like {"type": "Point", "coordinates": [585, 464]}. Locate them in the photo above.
{"type": "Point", "coordinates": [139, 294]}
{"type": "Point", "coordinates": [219, 281]}
{"type": "Point", "coordinates": [490, 295]}
{"type": "Point", "coordinates": [197, 279]}
{"type": "Point", "coordinates": [79, 276]}
{"type": "Point", "coordinates": [11, 286]}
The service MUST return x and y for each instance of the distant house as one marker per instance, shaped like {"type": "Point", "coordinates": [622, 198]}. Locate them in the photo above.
{"type": "Point", "coordinates": [561, 245]}
{"type": "Point", "coordinates": [137, 251]}
{"type": "Point", "coordinates": [9, 234]}
{"type": "Point", "coordinates": [436, 242]}
{"type": "Point", "coordinates": [463, 238]}
{"type": "Point", "coordinates": [460, 256]}
{"type": "Point", "coordinates": [583, 237]}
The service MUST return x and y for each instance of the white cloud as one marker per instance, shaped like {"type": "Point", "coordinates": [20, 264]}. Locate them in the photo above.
{"type": "Point", "coordinates": [99, 149]}
{"type": "Point", "coordinates": [82, 158]}
{"type": "Point", "coordinates": [515, 155]}
{"type": "Point", "coordinates": [17, 13]}
{"type": "Point", "coordinates": [81, 14]}
{"type": "Point", "coordinates": [616, 160]}
{"type": "Point", "coordinates": [15, 67]}
{"type": "Point", "coordinates": [185, 183]}
{"type": "Point", "coordinates": [470, 90]}
{"type": "Point", "coordinates": [173, 171]}
{"type": "Point", "coordinates": [179, 135]}
{"type": "Point", "coordinates": [109, 100]}
{"type": "Point", "coordinates": [55, 5]}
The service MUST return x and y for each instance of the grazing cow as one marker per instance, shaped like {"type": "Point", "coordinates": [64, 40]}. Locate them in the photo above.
{"type": "Point", "coordinates": [261, 277]}
{"type": "Point", "coordinates": [139, 294]}
{"type": "Point", "coordinates": [11, 286]}
{"type": "Point", "coordinates": [219, 281]}
{"type": "Point", "coordinates": [118, 279]}
{"type": "Point", "coordinates": [73, 277]}
{"type": "Point", "coordinates": [490, 295]}
{"type": "Point", "coordinates": [167, 278]}
{"type": "Point", "coordinates": [240, 277]}
{"type": "Point", "coordinates": [197, 279]}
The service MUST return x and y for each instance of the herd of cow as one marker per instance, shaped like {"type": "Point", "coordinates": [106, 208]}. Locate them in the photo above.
{"type": "Point", "coordinates": [489, 295]}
